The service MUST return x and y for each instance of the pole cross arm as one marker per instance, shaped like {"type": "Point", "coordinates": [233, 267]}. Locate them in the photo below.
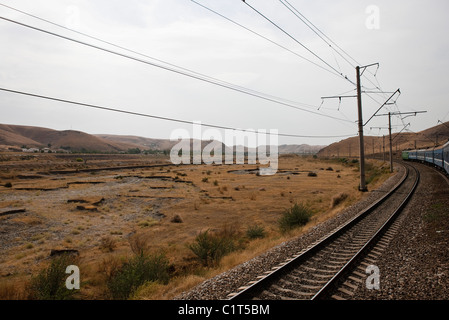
{"type": "Point", "coordinates": [384, 104]}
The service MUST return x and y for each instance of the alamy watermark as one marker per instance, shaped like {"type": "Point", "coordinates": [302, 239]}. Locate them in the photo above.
{"type": "Point", "coordinates": [256, 146]}
{"type": "Point", "coordinates": [372, 22]}
{"type": "Point", "coordinates": [373, 279]}
{"type": "Point", "coordinates": [72, 281]}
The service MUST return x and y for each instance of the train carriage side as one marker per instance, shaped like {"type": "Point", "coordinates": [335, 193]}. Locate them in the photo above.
{"type": "Point", "coordinates": [438, 157]}
{"type": "Point", "coordinates": [421, 155]}
{"type": "Point", "coordinates": [412, 155]}
{"type": "Point", "coordinates": [446, 157]}
{"type": "Point", "coordinates": [428, 156]}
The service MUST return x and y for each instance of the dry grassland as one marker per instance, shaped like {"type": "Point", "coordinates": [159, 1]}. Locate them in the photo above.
{"type": "Point", "coordinates": [98, 213]}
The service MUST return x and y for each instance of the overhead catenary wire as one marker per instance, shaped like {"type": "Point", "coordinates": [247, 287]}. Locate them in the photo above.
{"type": "Point", "coordinates": [338, 74]}
{"type": "Point", "coordinates": [317, 31]}
{"type": "Point", "coordinates": [332, 44]}
{"type": "Point", "coordinates": [329, 42]}
{"type": "Point", "coordinates": [322, 35]}
{"type": "Point", "coordinates": [297, 41]}
{"type": "Point", "coordinates": [181, 72]}
{"type": "Point", "coordinates": [123, 111]}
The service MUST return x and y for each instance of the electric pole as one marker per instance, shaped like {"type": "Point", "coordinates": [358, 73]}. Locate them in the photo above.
{"type": "Point", "coordinates": [359, 73]}
{"type": "Point", "coordinates": [391, 142]}
{"type": "Point", "coordinates": [362, 186]}
{"type": "Point", "coordinates": [389, 114]}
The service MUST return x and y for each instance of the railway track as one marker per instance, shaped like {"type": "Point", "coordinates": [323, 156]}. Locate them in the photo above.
{"type": "Point", "coordinates": [333, 267]}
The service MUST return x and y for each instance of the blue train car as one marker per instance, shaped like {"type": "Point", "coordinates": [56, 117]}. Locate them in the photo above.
{"type": "Point", "coordinates": [421, 155]}
{"type": "Point", "coordinates": [438, 157]}
{"type": "Point", "coordinates": [428, 154]}
{"type": "Point", "coordinates": [446, 157]}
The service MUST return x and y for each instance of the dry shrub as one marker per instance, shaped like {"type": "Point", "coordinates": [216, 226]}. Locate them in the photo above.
{"type": "Point", "coordinates": [50, 283]}
{"type": "Point", "coordinates": [338, 199]}
{"type": "Point", "coordinates": [176, 219]}
{"type": "Point", "coordinates": [108, 244]}
{"type": "Point", "coordinates": [255, 231]}
{"type": "Point", "coordinates": [138, 244]}
{"type": "Point", "coordinates": [12, 291]}
{"type": "Point", "coordinates": [229, 230]}
{"type": "Point", "coordinates": [141, 269]}
{"type": "Point", "coordinates": [109, 266]}
{"type": "Point", "coordinates": [211, 247]}
{"type": "Point", "coordinates": [298, 215]}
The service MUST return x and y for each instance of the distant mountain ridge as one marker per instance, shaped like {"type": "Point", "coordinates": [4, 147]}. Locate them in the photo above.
{"type": "Point", "coordinates": [299, 149]}
{"type": "Point", "coordinates": [379, 145]}
{"type": "Point", "coordinates": [37, 137]}
{"type": "Point", "coordinates": [17, 137]}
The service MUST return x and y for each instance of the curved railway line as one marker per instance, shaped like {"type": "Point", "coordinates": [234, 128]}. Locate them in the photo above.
{"type": "Point", "coordinates": [334, 266]}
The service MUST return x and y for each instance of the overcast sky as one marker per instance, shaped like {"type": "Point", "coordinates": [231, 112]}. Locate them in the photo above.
{"type": "Point", "coordinates": [407, 38]}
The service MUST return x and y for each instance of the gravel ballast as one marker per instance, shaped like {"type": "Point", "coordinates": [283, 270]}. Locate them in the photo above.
{"type": "Point", "coordinates": [415, 265]}
{"type": "Point", "coordinates": [219, 287]}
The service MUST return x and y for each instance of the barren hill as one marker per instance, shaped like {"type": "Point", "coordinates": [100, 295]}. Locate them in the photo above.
{"type": "Point", "coordinates": [19, 136]}
{"type": "Point", "coordinates": [431, 137]}
{"type": "Point", "coordinates": [299, 149]}
{"type": "Point", "coordinates": [140, 142]}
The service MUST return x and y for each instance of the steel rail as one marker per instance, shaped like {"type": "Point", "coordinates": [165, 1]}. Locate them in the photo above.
{"type": "Point", "coordinates": [246, 293]}
{"type": "Point", "coordinates": [368, 245]}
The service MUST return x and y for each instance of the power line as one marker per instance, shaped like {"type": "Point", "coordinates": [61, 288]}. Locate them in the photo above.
{"type": "Point", "coordinates": [294, 39]}
{"type": "Point", "coordinates": [322, 35]}
{"type": "Point", "coordinates": [150, 57]}
{"type": "Point", "coordinates": [317, 31]}
{"type": "Point", "coordinates": [266, 38]}
{"type": "Point", "coordinates": [330, 42]}
{"type": "Point", "coordinates": [87, 105]}
{"type": "Point", "coordinates": [195, 76]}
{"type": "Point", "coordinates": [273, 42]}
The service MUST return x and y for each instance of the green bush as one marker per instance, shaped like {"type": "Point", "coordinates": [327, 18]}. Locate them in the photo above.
{"type": "Point", "coordinates": [296, 216]}
{"type": "Point", "coordinates": [137, 271]}
{"type": "Point", "coordinates": [50, 284]}
{"type": "Point", "coordinates": [374, 173]}
{"type": "Point", "coordinates": [255, 231]}
{"type": "Point", "coordinates": [211, 248]}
